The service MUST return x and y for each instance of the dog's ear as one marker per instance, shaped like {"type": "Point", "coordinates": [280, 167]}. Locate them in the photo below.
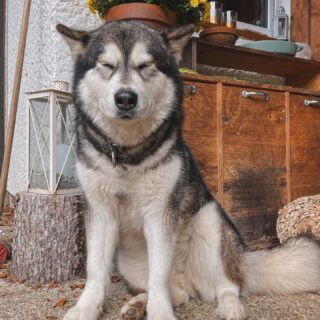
{"type": "Point", "coordinates": [177, 40]}
{"type": "Point", "coordinates": [76, 39]}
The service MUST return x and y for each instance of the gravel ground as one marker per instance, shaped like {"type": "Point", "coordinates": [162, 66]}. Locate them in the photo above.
{"type": "Point", "coordinates": [22, 302]}
{"type": "Point", "coordinates": [50, 302]}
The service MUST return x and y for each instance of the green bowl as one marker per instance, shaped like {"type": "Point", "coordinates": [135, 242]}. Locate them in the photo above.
{"type": "Point", "coordinates": [275, 46]}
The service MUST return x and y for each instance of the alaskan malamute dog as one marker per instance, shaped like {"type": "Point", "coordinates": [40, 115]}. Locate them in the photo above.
{"type": "Point", "coordinates": [150, 207]}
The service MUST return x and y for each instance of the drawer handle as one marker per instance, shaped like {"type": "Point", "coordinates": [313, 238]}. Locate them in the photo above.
{"type": "Point", "coordinates": [192, 89]}
{"type": "Point", "coordinates": [312, 103]}
{"type": "Point", "coordinates": [250, 94]}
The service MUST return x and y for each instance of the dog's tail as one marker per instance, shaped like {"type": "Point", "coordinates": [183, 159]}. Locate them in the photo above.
{"type": "Point", "coordinates": [290, 268]}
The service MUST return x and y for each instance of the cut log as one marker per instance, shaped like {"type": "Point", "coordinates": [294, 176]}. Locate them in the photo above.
{"type": "Point", "coordinates": [49, 238]}
{"type": "Point", "coordinates": [300, 217]}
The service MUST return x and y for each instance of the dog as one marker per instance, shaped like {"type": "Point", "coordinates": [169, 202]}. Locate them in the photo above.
{"type": "Point", "coordinates": [150, 209]}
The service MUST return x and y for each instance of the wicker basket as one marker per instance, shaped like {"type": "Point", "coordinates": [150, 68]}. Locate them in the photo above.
{"type": "Point", "coordinates": [300, 217]}
{"type": "Point", "coordinates": [221, 35]}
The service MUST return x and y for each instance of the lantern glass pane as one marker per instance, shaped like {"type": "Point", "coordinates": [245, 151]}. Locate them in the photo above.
{"type": "Point", "coordinates": [66, 156]}
{"type": "Point", "coordinates": [39, 136]}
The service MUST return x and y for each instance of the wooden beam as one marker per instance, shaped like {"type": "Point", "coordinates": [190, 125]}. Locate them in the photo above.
{"type": "Point", "coordinates": [2, 77]}
{"type": "Point", "coordinates": [14, 101]}
{"type": "Point", "coordinates": [300, 20]}
{"type": "Point", "coordinates": [314, 29]}
{"type": "Point", "coordinates": [288, 146]}
{"type": "Point", "coordinates": [220, 144]}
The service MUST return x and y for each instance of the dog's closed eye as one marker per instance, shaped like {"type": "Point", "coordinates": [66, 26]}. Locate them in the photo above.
{"type": "Point", "coordinates": [109, 66]}
{"type": "Point", "coordinates": [144, 66]}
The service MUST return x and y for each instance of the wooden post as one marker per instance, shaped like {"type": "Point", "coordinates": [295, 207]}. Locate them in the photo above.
{"type": "Point", "coordinates": [49, 237]}
{"type": "Point", "coordinates": [14, 102]}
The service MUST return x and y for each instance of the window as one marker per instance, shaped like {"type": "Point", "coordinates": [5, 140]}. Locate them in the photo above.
{"type": "Point", "coordinates": [256, 15]}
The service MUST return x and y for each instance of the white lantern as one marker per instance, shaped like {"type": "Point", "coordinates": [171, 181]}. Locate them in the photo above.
{"type": "Point", "coordinates": [51, 142]}
{"type": "Point", "coordinates": [281, 24]}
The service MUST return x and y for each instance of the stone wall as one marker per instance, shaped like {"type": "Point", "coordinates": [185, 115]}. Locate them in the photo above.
{"type": "Point", "coordinates": [47, 58]}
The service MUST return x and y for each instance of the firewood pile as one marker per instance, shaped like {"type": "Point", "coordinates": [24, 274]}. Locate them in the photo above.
{"type": "Point", "coordinates": [300, 217]}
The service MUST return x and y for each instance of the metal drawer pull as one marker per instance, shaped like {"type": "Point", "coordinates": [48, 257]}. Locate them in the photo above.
{"type": "Point", "coordinates": [192, 89]}
{"type": "Point", "coordinates": [312, 103]}
{"type": "Point", "coordinates": [249, 94]}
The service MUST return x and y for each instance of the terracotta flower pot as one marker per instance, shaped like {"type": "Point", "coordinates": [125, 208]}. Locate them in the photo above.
{"type": "Point", "coordinates": [150, 14]}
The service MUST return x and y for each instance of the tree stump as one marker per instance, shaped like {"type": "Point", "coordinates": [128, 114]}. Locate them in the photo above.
{"type": "Point", "coordinates": [49, 238]}
{"type": "Point", "coordinates": [300, 217]}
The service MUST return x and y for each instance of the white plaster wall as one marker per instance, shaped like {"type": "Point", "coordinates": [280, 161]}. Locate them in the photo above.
{"type": "Point", "coordinates": [47, 58]}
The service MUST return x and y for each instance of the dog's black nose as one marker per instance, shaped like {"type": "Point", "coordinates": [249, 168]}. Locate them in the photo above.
{"type": "Point", "coordinates": [126, 100]}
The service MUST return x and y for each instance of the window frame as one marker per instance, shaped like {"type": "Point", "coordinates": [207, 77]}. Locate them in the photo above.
{"type": "Point", "coordinates": [272, 6]}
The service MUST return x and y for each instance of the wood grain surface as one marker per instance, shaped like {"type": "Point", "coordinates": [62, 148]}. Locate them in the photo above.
{"type": "Point", "coordinates": [256, 156]}
{"type": "Point", "coordinates": [254, 148]}
{"type": "Point", "coordinates": [200, 130]}
{"type": "Point", "coordinates": [305, 147]}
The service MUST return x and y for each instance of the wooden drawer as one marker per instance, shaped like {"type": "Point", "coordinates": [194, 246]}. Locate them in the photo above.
{"type": "Point", "coordinates": [200, 129]}
{"type": "Point", "coordinates": [304, 146]}
{"type": "Point", "coordinates": [255, 155]}
{"type": "Point", "coordinates": [254, 161]}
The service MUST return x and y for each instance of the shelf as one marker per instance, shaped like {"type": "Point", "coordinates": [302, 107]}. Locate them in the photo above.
{"type": "Point", "coordinates": [297, 72]}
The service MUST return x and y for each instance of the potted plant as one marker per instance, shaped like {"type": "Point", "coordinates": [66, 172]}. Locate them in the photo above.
{"type": "Point", "coordinates": [155, 13]}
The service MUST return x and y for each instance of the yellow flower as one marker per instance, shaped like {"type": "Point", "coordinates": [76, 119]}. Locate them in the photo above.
{"type": "Point", "coordinates": [91, 5]}
{"type": "Point", "coordinates": [206, 16]}
{"type": "Point", "coordinates": [194, 3]}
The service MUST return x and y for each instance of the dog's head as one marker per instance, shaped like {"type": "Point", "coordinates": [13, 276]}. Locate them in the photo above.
{"type": "Point", "coordinates": [126, 73]}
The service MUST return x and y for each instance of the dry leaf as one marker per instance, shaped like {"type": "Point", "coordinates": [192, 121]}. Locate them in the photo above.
{"type": "Point", "coordinates": [60, 303]}
{"type": "Point", "coordinates": [3, 274]}
{"type": "Point", "coordinates": [3, 266]}
{"type": "Point", "coordinates": [77, 286]}
{"type": "Point", "coordinates": [115, 278]}
{"type": "Point", "coordinates": [52, 318]}
{"type": "Point", "coordinates": [12, 279]}
{"type": "Point", "coordinates": [36, 286]}
{"type": "Point", "coordinates": [52, 285]}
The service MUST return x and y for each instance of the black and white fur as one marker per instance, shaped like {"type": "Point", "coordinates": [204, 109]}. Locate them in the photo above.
{"type": "Point", "coordinates": [149, 205]}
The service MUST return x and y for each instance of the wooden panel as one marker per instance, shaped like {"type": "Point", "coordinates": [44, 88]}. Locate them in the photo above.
{"type": "Point", "coordinates": [254, 152]}
{"type": "Point", "coordinates": [200, 130]}
{"type": "Point", "coordinates": [305, 147]}
{"type": "Point", "coordinates": [314, 29]}
{"type": "Point", "coordinates": [212, 54]}
{"type": "Point", "coordinates": [300, 15]}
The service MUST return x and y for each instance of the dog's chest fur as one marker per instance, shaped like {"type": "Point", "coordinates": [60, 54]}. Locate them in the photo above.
{"type": "Point", "coordinates": [131, 192]}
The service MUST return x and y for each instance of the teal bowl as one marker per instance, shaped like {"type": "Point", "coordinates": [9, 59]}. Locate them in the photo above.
{"type": "Point", "coordinates": [275, 46]}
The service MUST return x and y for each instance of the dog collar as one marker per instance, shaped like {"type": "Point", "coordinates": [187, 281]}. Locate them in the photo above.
{"type": "Point", "coordinates": [115, 150]}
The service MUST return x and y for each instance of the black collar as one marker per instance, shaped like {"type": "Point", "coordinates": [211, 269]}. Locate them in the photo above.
{"type": "Point", "coordinates": [130, 155]}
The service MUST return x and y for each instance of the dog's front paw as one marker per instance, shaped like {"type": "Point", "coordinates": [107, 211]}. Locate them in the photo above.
{"type": "Point", "coordinates": [231, 309]}
{"type": "Point", "coordinates": [82, 313]}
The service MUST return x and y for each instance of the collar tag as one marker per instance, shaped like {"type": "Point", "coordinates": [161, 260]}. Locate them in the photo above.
{"type": "Point", "coordinates": [114, 151]}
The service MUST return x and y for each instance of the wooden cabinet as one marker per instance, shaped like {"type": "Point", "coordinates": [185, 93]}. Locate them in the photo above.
{"type": "Point", "coordinates": [304, 145]}
{"type": "Point", "coordinates": [200, 129]}
{"type": "Point", "coordinates": [256, 155]}
{"type": "Point", "coordinates": [254, 160]}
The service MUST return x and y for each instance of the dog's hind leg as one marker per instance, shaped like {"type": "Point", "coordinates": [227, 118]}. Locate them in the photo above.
{"type": "Point", "coordinates": [135, 308]}
{"type": "Point", "coordinates": [212, 262]}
